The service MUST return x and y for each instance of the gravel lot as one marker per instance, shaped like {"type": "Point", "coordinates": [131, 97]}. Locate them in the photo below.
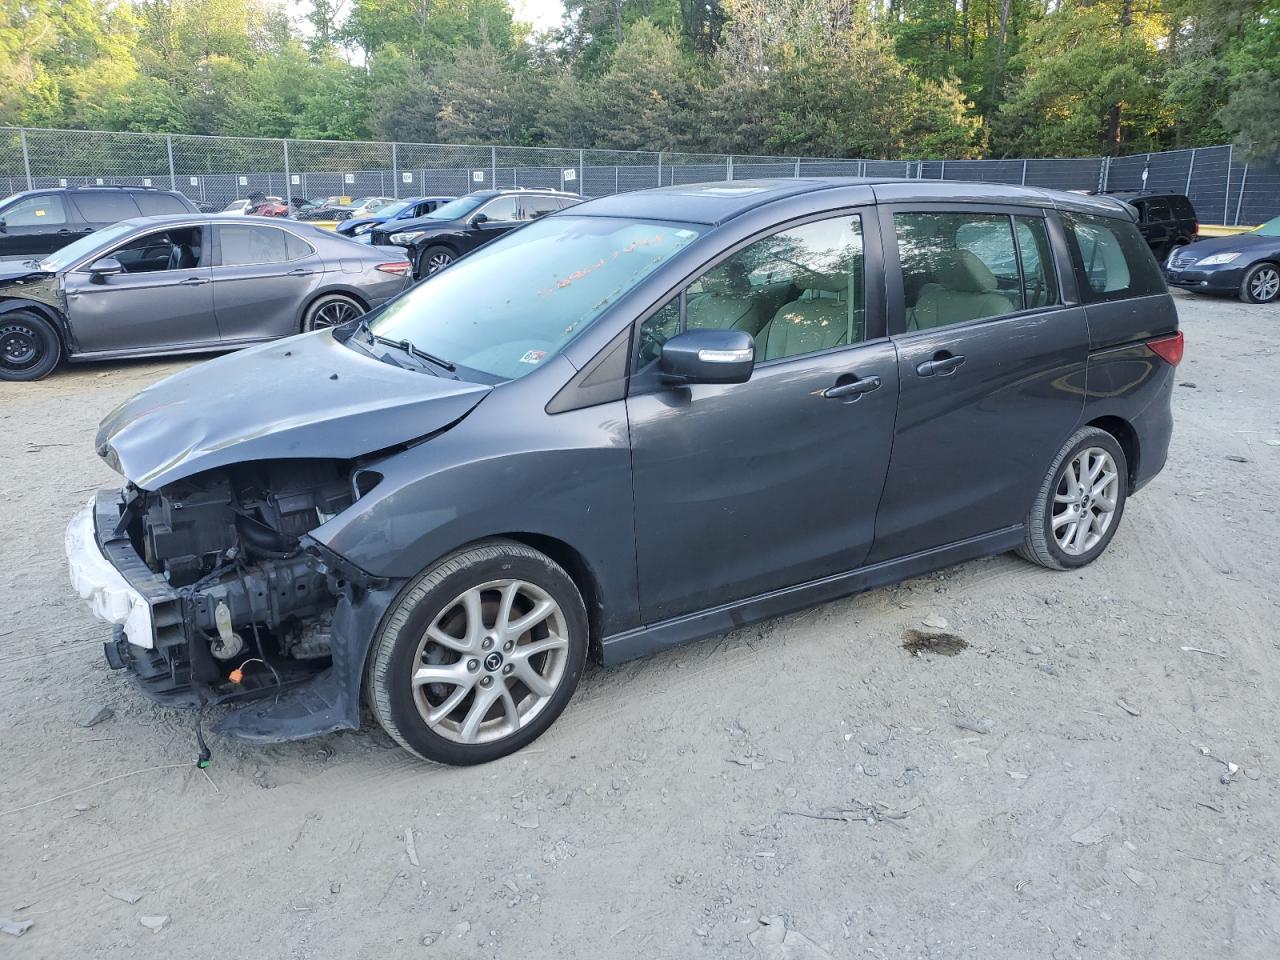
{"type": "Point", "coordinates": [799, 789]}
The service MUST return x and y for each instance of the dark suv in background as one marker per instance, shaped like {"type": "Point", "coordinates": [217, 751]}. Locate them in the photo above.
{"type": "Point", "coordinates": [1165, 220]}
{"type": "Point", "coordinates": [35, 223]}
{"type": "Point", "coordinates": [458, 227]}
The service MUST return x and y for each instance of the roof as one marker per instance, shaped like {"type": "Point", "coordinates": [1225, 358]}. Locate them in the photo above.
{"type": "Point", "coordinates": [716, 202]}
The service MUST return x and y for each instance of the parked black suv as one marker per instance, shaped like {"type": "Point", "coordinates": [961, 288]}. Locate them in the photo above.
{"type": "Point", "coordinates": [652, 418]}
{"type": "Point", "coordinates": [35, 223]}
{"type": "Point", "coordinates": [1165, 220]}
{"type": "Point", "coordinates": [458, 227]}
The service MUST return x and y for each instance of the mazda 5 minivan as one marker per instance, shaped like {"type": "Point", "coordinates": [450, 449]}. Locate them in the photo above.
{"type": "Point", "coordinates": [638, 422]}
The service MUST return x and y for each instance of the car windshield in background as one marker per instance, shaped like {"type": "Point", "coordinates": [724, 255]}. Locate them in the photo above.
{"type": "Point", "coordinates": [392, 209]}
{"type": "Point", "coordinates": [1269, 229]}
{"type": "Point", "coordinates": [85, 245]}
{"type": "Point", "coordinates": [513, 304]}
{"type": "Point", "coordinates": [456, 208]}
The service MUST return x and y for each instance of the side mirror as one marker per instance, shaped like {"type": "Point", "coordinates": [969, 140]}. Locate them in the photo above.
{"type": "Point", "coordinates": [708, 356]}
{"type": "Point", "coordinates": [4, 227]}
{"type": "Point", "coordinates": [479, 218]}
{"type": "Point", "coordinates": [106, 267]}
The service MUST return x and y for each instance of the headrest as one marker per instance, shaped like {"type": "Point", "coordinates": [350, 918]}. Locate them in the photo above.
{"type": "Point", "coordinates": [827, 282]}
{"type": "Point", "coordinates": [963, 272]}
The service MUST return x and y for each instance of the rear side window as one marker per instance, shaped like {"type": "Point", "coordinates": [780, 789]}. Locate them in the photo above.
{"type": "Point", "coordinates": [297, 247]}
{"type": "Point", "coordinates": [1182, 208]}
{"type": "Point", "coordinates": [158, 204]}
{"type": "Point", "coordinates": [106, 206]}
{"type": "Point", "coordinates": [42, 211]}
{"type": "Point", "coordinates": [1111, 259]}
{"type": "Point", "coordinates": [249, 244]}
{"type": "Point", "coordinates": [535, 207]}
{"type": "Point", "coordinates": [1158, 210]}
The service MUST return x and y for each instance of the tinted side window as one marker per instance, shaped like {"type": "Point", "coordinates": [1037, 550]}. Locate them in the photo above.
{"type": "Point", "coordinates": [39, 211]}
{"type": "Point", "coordinates": [179, 249]}
{"type": "Point", "coordinates": [297, 247]}
{"type": "Point", "coordinates": [248, 244]}
{"type": "Point", "coordinates": [957, 267]}
{"type": "Point", "coordinates": [1182, 208]}
{"type": "Point", "coordinates": [158, 204]}
{"type": "Point", "coordinates": [105, 206]}
{"type": "Point", "coordinates": [535, 207]}
{"type": "Point", "coordinates": [502, 209]}
{"type": "Point", "coordinates": [795, 292]}
{"type": "Point", "coordinates": [1111, 259]}
{"type": "Point", "coordinates": [1158, 210]}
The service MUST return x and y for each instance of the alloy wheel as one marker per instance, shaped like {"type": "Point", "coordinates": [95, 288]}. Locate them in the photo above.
{"type": "Point", "coordinates": [1084, 504]}
{"type": "Point", "coordinates": [1265, 284]}
{"type": "Point", "coordinates": [490, 661]}
{"type": "Point", "coordinates": [334, 314]}
{"type": "Point", "coordinates": [19, 345]}
{"type": "Point", "coordinates": [438, 261]}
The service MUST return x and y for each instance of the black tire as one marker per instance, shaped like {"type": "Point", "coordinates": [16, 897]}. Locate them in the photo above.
{"type": "Point", "coordinates": [1261, 283]}
{"type": "Point", "coordinates": [29, 346]}
{"type": "Point", "coordinates": [396, 653]}
{"type": "Point", "coordinates": [1041, 545]}
{"type": "Point", "coordinates": [434, 258]}
{"type": "Point", "coordinates": [331, 310]}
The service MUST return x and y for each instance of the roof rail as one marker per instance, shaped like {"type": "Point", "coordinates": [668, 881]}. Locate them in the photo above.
{"type": "Point", "coordinates": [110, 186]}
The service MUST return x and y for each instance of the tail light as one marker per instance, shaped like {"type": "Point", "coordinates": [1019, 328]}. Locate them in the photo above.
{"type": "Point", "coordinates": [1168, 349]}
{"type": "Point", "coordinates": [401, 268]}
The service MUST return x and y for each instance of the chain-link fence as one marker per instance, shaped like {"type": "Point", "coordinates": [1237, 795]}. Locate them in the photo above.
{"type": "Point", "coordinates": [215, 171]}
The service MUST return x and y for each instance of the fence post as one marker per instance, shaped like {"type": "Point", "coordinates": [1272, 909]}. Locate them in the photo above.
{"type": "Point", "coordinates": [582, 173]}
{"type": "Point", "coordinates": [173, 179]}
{"type": "Point", "coordinates": [797, 176]}
{"type": "Point", "coordinates": [659, 168]}
{"type": "Point", "coordinates": [395, 170]}
{"type": "Point", "coordinates": [1226, 199]}
{"type": "Point", "coordinates": [26, 157]}
{"type": "Point", "coordinates": [1244, 178]}
{"type": "Point", "coordinates": [615, 178]}
{"type": "Point", "coordinates": [1024, 172]}
{"type": "Point", "coordinates": [493, 166]}
{"type": "Point", "coordinates": [288, 179]}
{"type": "Point", "coordinates": [728, 167]}
{"type": "Point", "coordinates": [942, 171]}
{"type": "Point", "coordinates": [1190, 169]}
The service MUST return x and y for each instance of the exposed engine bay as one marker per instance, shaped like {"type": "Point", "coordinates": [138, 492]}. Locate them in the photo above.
{"type": "Point", "coordinates": [252, 609]}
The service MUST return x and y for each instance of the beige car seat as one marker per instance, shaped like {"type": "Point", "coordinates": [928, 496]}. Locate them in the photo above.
{"type": "Point", "coordinates": [963, 288]}
{"type": "Point", "coordinates": [820, 319]}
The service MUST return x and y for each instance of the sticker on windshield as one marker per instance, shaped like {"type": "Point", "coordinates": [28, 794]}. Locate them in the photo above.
{"type": "Point", "coordinates": [533, 356]}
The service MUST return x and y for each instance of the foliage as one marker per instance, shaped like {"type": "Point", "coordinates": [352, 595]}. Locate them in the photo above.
{"type": "Point", "coordinates": [843, 78]}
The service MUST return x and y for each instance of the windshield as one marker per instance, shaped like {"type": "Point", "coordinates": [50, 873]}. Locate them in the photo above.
{"type": "Point", "coordinates": [1269, 229]}
{"type": "Point", "coordinates": [516, 302]}
{"type": "Point", "coordinates": [456, 208]}
{"type": "Point", "coordinates": [391, 210]}
{"type": "Point", "coordinates": [86, 245]}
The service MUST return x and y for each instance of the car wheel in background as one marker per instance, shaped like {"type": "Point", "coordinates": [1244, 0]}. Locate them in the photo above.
{"type": "Point", "coordinates": [1261, 284]}
{"type": "Point", "coordinates": [331, 310]}
{"type": "Point", "coordinates": [433, 259]}
{"type": "Point", "coordinates": [1079, 504]}
{"type": "Point", "coordinates": [479, 654]}
{"type": "Point", "coordinates": [29, 346]}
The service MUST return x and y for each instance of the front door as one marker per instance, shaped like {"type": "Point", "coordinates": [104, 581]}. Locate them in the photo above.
{"type": "Point", "coordinates": [991, 364]}
{"type": "Point", "coordinates": [745, 488]}
{"type": "Point", "coordinates": [499, 216]}
{"type": "Point", "coordinates": [37, 226]}
{"type": "Point", "coordinates": [261, 280]}
{"type": "Point", "coordinates": [162, 299]}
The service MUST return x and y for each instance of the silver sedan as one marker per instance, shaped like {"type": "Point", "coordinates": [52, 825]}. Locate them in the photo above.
{"type": "Point", "coordinates": [183, 284]}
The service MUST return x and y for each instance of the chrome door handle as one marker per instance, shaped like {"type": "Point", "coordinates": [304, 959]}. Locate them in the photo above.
{"type": "Point", "coordinates": [299, 272]}
{"type": "Point", "coordinates": [193, 281]}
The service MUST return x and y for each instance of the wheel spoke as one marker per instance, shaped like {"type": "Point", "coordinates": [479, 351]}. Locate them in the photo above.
{"type": "Point", "coordinates": [502, 623]}
{"type": "Point", "coordinates": [509, 707]}
{"type": "Point", "coordinates": [449, 705]}
{"type": "Point", "coordinates": [475, 617]}
{"type": "Point", "coordinates": [537, 684]}
{"type": "Point", "coordinates": [1104, 503]}
{"type": "Point", "coordinates": [1063, 518]}
{"type": "Point", "coordinates": [460, 644]}
{"type": "Point", "coordinates": [480, 706]}
{"type": "Point", "coordinates": [455, 674]}
{"type": "Point", "coordinates": [541, 610]}
{"type": "Point", "coordinates": [1082, 534]}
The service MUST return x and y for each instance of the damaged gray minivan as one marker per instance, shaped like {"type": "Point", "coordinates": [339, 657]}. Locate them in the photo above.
{"type": "Point", "coordinates": [645, 420]}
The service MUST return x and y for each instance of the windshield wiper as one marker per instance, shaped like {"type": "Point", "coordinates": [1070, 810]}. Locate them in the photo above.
{"type": "Point", "coordinates": [406, 345]}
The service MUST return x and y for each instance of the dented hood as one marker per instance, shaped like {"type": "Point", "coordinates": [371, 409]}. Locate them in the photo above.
{"type": "Point", "coordinates": [305, 397]}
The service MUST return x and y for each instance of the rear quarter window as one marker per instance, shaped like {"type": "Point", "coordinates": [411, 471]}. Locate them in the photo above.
{"type": "Point", "coordinates": [1111, 260]}
{"type": "Point", "coordinates": [158, 204]}
{"type": "Point", "coordinates": [1182, 208]}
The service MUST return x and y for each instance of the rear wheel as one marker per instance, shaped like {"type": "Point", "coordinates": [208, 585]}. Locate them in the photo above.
{"type": "Point", "coordinates": [331, 310]}
{"type": "Point", "coordinates": [1261, 284]}
{"type": "Point", "coordinates": [29, 346]}
{"type": "Point", "coordinates": [479, 655]}
{"type": "Point", "coordinates": [1079, 504]}
{"type": "Point", "coordinates": [434, 259]}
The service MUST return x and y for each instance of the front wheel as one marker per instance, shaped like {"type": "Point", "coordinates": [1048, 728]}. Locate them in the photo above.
{"type": "Point", "coordinates": [433, 260]}
{"type": "Point", "coordinates": [1079, 504]}
{"type": "Point", "coordinates": [479, 654]}
{"type": "Point", "coordinates": [1261, 284]}
{"type": "Point", "coordinates": [29, 346]}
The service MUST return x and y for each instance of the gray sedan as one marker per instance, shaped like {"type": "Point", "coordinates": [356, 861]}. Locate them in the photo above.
{"type": "Point", "coordinates": [185, 284]}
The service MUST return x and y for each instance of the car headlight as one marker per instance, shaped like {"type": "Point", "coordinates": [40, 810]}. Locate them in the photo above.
{"type": "Point", "coordinates": [363, 228]}
{"type": "Point", "coordinates": [406, 238]}
{"type": "Point", "coordinates": [1218, 259]}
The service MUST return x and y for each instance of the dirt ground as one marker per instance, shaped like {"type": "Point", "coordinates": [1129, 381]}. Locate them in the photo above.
{"type": "Point", "coordinates": [799, 789]}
